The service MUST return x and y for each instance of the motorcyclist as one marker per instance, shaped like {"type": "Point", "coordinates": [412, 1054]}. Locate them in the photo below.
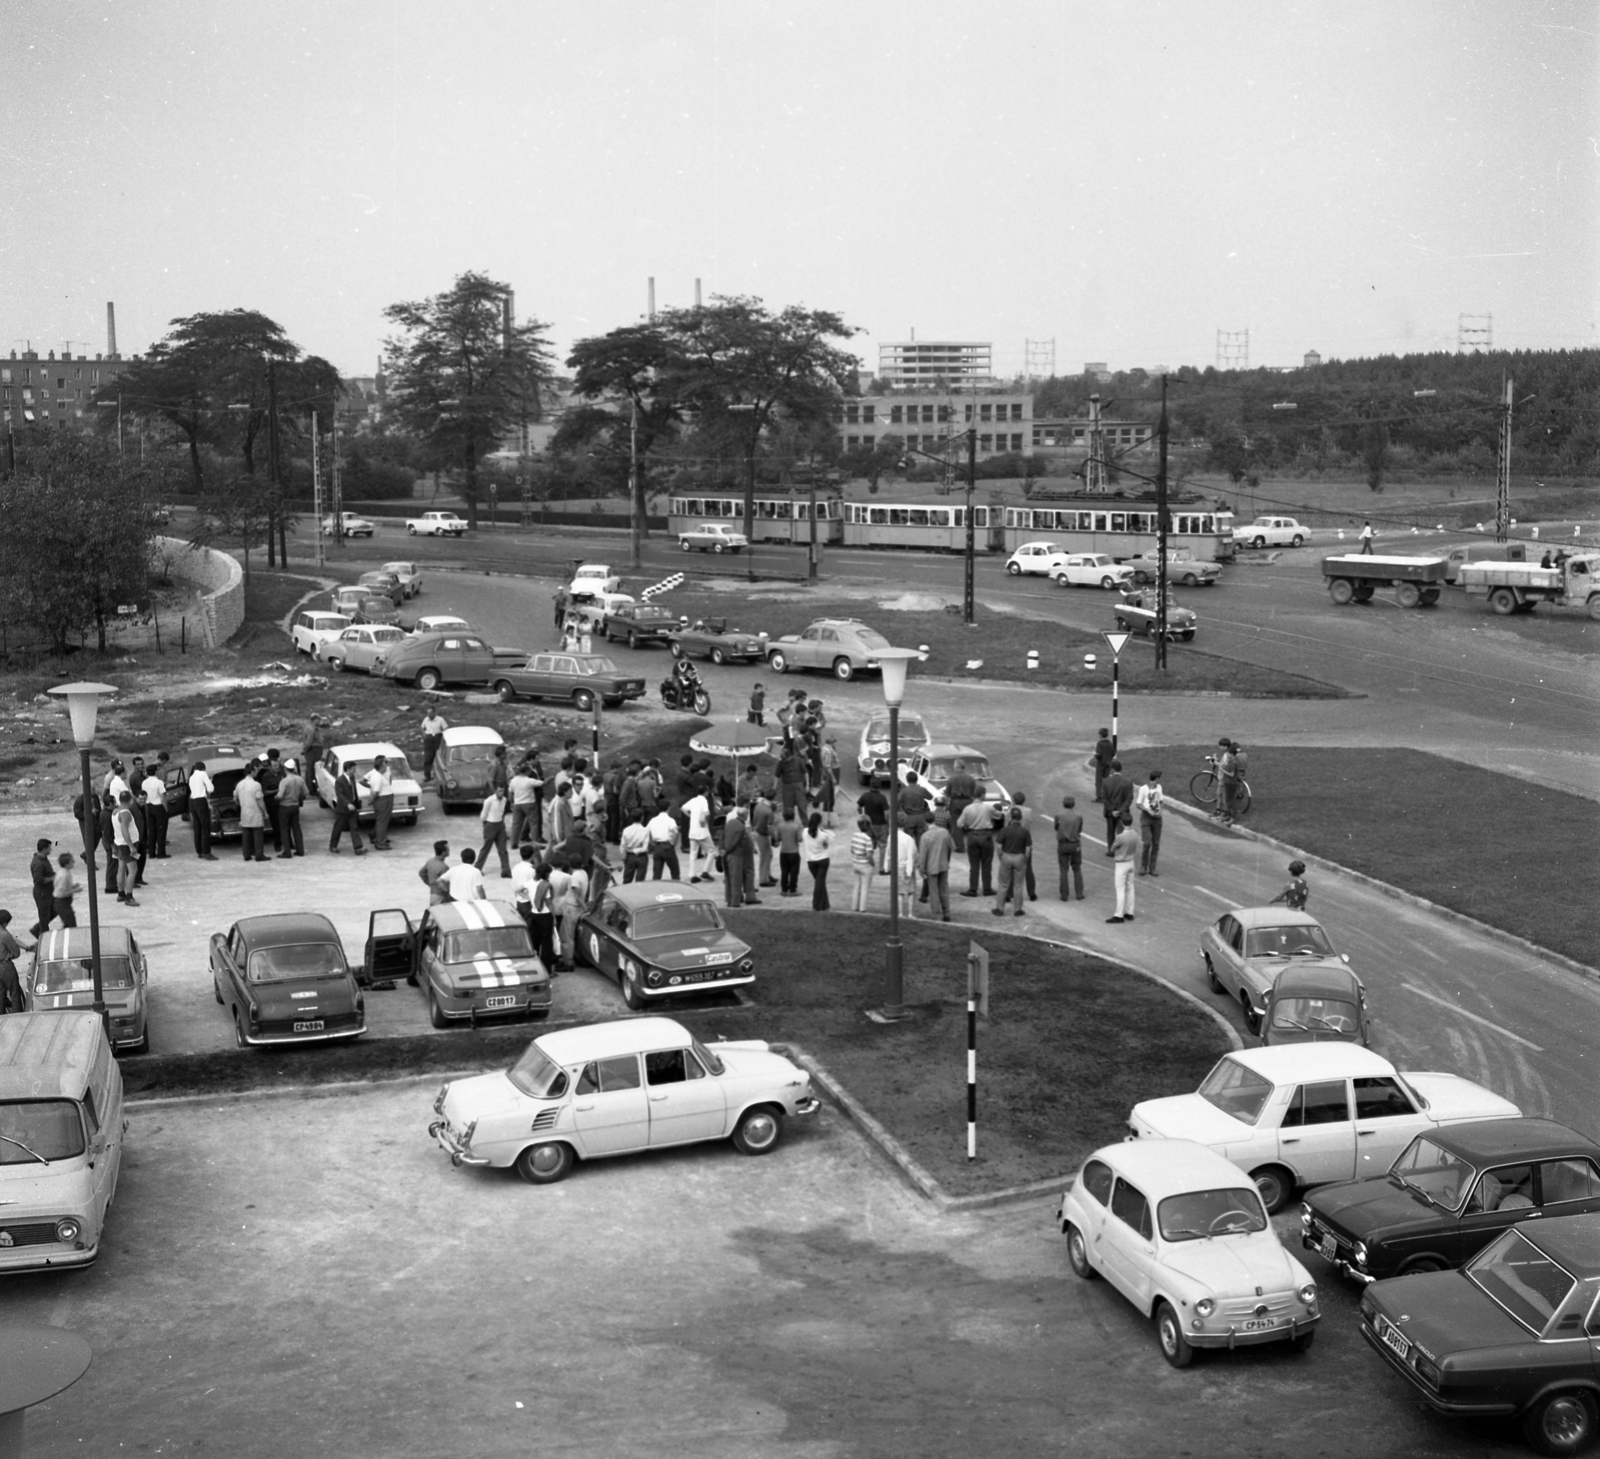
{"type": "Point", "coordinates": [680, 688]}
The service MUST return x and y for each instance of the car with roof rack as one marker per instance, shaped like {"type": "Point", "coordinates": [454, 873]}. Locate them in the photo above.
{"type": "Point", "coordinates": [843, 647]}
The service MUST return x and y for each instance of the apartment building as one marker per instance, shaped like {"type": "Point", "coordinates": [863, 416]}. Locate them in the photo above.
{"type": "Point", "coordinates": [48, 390]}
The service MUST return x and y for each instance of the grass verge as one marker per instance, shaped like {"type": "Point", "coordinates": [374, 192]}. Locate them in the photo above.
{"type": "Point", "coordinates": [1502, 850]}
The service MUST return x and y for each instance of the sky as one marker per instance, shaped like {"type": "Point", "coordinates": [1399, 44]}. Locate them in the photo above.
{"type": "Point", "coordinates": [1117, 181]}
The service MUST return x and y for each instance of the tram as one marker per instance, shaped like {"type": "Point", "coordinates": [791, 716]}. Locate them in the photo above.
{"type": "Point", "coordinates": [930, 526]}
{"type": "Point", "coordinates": [1122, 531]}
{"type": "Point", "coordinates": [777, 518]}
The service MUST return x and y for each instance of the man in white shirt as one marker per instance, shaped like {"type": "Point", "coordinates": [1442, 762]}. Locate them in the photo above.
{"type": "Point", "coordinates": [464, 881]}
{"type": "Point", "coordinates": [155, 815]}
{"type": "Point", "coordinates": [571, 906]}
{"type": "Point", "coordinates": [200, 792]}
{"type": "Point", "coordinates": [433, 728]}
{"type": "Point", "coordinates": [125, 839]}
{"type": "Point", "coordinates": [381, 784]}
{"type": "Point", "coordinates": [1149, 800]}
{"type": "Point", "coordinates": [525, 805]}
{"type": "Point", "coordinates": [522, 881]}
{"type": "Point", "coordinates": [697, 809]}
{"type": "Point", "coordinates": [663, 844]}
{"type": "Point", "coordinates": [116, 783]}
{"type": "Point", "coordinates": [635, 845]}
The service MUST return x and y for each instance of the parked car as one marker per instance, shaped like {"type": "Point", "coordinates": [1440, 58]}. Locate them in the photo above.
{"type": "Point", "coordinates": [593, 577]}
{"type": "Point", "coordinates": [362, 646]}
{"type": "Point", "coordinates": [432, 660]}
{"type": "Point", "coordinates": [1036, 557]}
{"type": "Point", "coordinates": [384, 584]}
{"type": "Point", "coordinates": [1182, 566]}
{"type": "Point", "coordinates": [225, 764]}
{"type": "Point", "coordinates": [349, 598]}
{"type": "Point", "coordinates": [1272, 532]}
{"type": "Point", "coordinates": [638, 624]}
{"type": "Point", "coordinates": [1514, 1333]}
{"type": "Point", "coordinates": [658, 938]}
{"type": "Point", "coordinates": [436, 524]}
{"type": "Point", "coordinates": [1091, 570]}
{"type": "Point", "coordinates": [1138, 612]}
{"type": "Point", "coordinates": [616, 1088]}
{"type": "Point", "coordinates": [409, 574]}
{"type": "Point", "coordinates": [872, 756]}
{"type": "Point", "coordinates": [312, 630]}
{"type": "Point", "coordinates": [1244, 951]}
{"type": "Point", "coordinates": [591, 609]}
{"type": "Point", "coordinates": [465, 763]}
{"type": "Point", "coordinates": [1448, 1194]}
{"type": "Point", "coordinates": [934, 764]}
{"type": "Point", "coordinates": [283, 979]}
{"type": "Point", "coordinates": [1309, 1114]}
{"type": "Point", "coordinates": [712, 537]}
{"type": "Point", "coordinates": [1180, 1233]}
{"type": "Point", "coordinates": [1315, 1002]}
{"type": "Point", "coordinates": [582, 678]}
{"type": "Point", "coordinates": [711, 638]}
{"type": "Point", "coordinates": [472, 960]}
{"type": "Point", "coordinates": [441, 623]}
{"type": "Point", "coordinates": [358, 760]}
{"type": "Point", "coordinates": [378, 608]}
{"type": "Point", "coordinates": [842, 646]}
{"type": "Point", "coordinates": [351, 525]}
{"type": "Point", "coordinates": [62, 977]}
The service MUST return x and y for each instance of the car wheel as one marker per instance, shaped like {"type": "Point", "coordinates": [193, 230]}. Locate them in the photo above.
{"type": "Point", "coordinates": [583, 700]}
{"type": "Point", "coordinates": [758, 1131]}
{"type": "Point", "coordinates": [429, 679]}
{"type": "Point", "coordinates": [1258, 543]}
{"type": "Point", "coordinates": [1014, 568]}
{"type": "Point", "coordinates": [1561, 1423]}
{"type": "Point", "coordinates": [633, 639]}
{"type": "Point", "coordinates": [1061, 580]}
{"type": "Point", "coordinates": [1078, 1255]}
{"type": "Point", "coordinates": [1169, 1333]}
{"type": "Point", "coordinates": [1212, 981]}
{"type": "Point", "coordinates": [1303, 1341]}
{"type": "Point", "coordinates": [1276, 1186]}
{"type": "Point", "coordinates": [435, 1012]}
{"type": "Point", "coordinates": [717, 547]}
{"type": "Point", "coordinates": [1251, 1021]}
{"type": "Point", "coordinates": [717, 656]}
{"type": "Point", "coordinates": [411, 531]}
{"type": "Point", "coordinates": [238, 1031]}
{"type": "Point", "coordinates": [1187, 635]}
{"type": "Point", "coordinates": [632, 993]}
{"type": "Point", "coordinates": [1189, 580]}
{"type": "Point", "coordinates": [1297, 540]}
{"type": "Point", "coordinates": [677, 649]}
{"type": "Point", "coordinates": [683, 542]}
{"type": "Point", "coordinates": [337, 665]}
{"type": "Point", "coordinates": [843, 670]}
{"type": "Point", "coordinates": [778, 663]}
{"type": "Point", "coordinates": [545, 1164]}
{"type": "Point", "coordinates": [1421, 1264]}
{"type": "Point", "coordinates": [505, 691]}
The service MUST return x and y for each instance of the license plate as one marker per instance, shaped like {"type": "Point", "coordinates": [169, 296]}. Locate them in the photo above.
{"type": "Point", "coordinates": [501, 1002]}
{"type": "Point", "coordinates": [1393, 1338]}
{"type": "Point", "coordinates": [1330, 1247]}
{"type": "Point", "coordinates": [310, 1025]}
{"type": "Point", "coordinates": [1260, 1324]}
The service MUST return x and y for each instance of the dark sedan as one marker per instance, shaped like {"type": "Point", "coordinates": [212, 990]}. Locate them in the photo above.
{"type": "Point", "coordinates": [432, 660]}
{"type": "Point", "coordinates": [1449, 1193]}
{"type": "Point", "coordinates": [638, 624]}
{"type": "Point", "coordinates": [284, 980]}
{"type": "Point", "coordinates": [1515, 1333]}
{"type": "Point", "coordinates": [658, 938]}
{"type": "Point", "coordinates": [1315, 1003]}
{"type": "Point", "coordinates": [584, 679]}
{"type": "Point", "coordinates": [711, 638]}
{"type": "Point", "coordinates": [225, 764]}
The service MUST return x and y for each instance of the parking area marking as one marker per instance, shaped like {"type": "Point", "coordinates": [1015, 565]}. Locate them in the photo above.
{"type": "Point", "coordinates": [1226, 901]}
{"type": "Point", "coordinates": [1478, 1018]}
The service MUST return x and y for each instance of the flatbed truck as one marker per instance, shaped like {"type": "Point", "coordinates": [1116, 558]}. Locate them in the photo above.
{"type": "Point", "coordinates": [1519, 587]}
{"type": "Point", "coordinates": [1353, 578]}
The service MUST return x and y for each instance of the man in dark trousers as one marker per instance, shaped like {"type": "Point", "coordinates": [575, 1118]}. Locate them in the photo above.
{"type": "Point", "coordinates": [154, 786]}
{"type": "Point", "coordinates": [961, 792]}
{"type": "Point", "coordinates": [1116, 796]}
{"type": "Point", "coordinates": [977, 830]}
{"type": "Point", "coordinates": [292, 793]}
{"type": "Point", "coordinates": [108, 842]}
{"type": "Point", "coordinates": [270, 774]}
{"type": "Point", "coordinates": [43, 872]}
{"type": "Point", "coordinates": [201, 787]}
{"type": "Point", "coordinates": [346, 812]}
{"type": "Point", "coordinates": [141, 821]}
{"type": "Point", "coordinates": [735, 853]}
{"type": "Point", "coordinates": [1069, 847]}
{"type": "Point", "coordinates": [1104, 753]}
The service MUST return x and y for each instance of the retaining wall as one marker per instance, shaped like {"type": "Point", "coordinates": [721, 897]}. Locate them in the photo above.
{"type": "Point", "coordinates": [217, 578]}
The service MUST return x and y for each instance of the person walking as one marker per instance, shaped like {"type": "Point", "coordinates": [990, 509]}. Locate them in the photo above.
{"type": "Point", "coordinates": [736, 850]}
{"type": "Point", "coordinates": [155, 814]}
{"type": "Point", "coordinates": [977, 830]}
{"type": "Point", "coordinates": [663, 830]}
{"type": "Point", "coordinates": [379, 781]}
{"type": "Point", "coordinates": [346, 812]}
{"type": "Point", "coordinates": [125, 838]}
{"type": "Point", "coordinates": [1149, 800]}
{"type": "Point", "coordinates": [252, 815]}
{"type": "Point", "coordinates": [635, 845]}
{"type": "Point", "coordinates": [292, 793]}
{"type": "Point", "coordinates": [1125, 856]}
{"type": "Point", "coordinates": [1012, 846]}
{"type": "Point", "coordinates": [1105, 751]}
{"type": "Point", "coordinates": [1069, 847]}
{"type": "Point", "coordinates": [269, 772]}
{"type": "Point", "coordinates": [816, 850]}
{"type": "Point", "coordinates": [63, 890]}
{"type": "Point", "coordinates": [789, 829]}
{"type": "Point", "coordinates": [959, 794]}
{"type": "Point", "coordinates": [10, 951]}
{"type": "Point", "coordinates": [493, 817]}
{"type": "Point", "coordinates": [463, 881]}
{"type": "Point", "coordinates": [1297, 893]}
{"type": "Point", "coordinates": [434, 725]}
{"type": "Point", "coordinates": [1116, 798]}
{"type": "Point", "coordinates": [863, 864]}
{"type": "Point", "coordinates": [43, 874]}
{"type": "Point", "coordinates": [702, 856]}
{"type": "Point", "coordinates": [902, 846]}
{"type": "Point", "coordinates": [432, 871]}
{"type": "Point", "coordinates": [933, 861]}
{"type": "Point", "coordinates": [1366, 538]}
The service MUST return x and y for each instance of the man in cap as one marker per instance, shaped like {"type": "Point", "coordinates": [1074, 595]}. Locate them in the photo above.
{"type": "Point", "coordinates": [292, 793]}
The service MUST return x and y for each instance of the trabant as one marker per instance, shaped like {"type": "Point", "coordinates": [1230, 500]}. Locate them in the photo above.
{"type": "Point", "coordinates": [313, 628]}
{"type": "Point", "coordinates": [464, 764]}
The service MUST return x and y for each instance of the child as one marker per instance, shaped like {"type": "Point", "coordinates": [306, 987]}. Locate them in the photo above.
{"type": "Point", "coordinates": [1297, 893]}
{"type": "Point", "coordinates": [758, 704]}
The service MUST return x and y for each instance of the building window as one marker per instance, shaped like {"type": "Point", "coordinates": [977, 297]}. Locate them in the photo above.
{"type": "Point", "coordinates": [968, 410]}
{"type": "Point", "coordinates": [868, 414]}
{"type": "Point", "coordinates": [985, 443]}
{"type": "Point", "coordinates": [927, 415]}
{"type": "Point", "coordinates": [985, 412]}
{"type": "Point", "coordinates": [5, 377]}
{"type": "Point", "coordinates": [852, 414]}
{"type": "Point", "coordinates": [945, 412]}
{"type": "Point", "coordinates": [894, 415]}
{"type": "Point", "coordinates": [1016, 440]}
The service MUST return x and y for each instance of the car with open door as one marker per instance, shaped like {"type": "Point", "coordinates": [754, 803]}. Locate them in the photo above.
{"type": "Point", "coordinates": [474, 961]}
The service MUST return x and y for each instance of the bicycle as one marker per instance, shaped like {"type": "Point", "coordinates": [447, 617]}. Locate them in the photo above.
{"type": "Point", "coordinates": [1206, 785]}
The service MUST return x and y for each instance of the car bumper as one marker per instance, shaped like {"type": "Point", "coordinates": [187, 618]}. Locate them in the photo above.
{"type": "Point", "coordinates": [260, 1039]}
{"type": "Point", "coordinates": [709, 985]}
{"type": "Point", "coordinates": [808, 1106]}
{"type": "Point", "coordinates": [1235, 1339]}
{"type": "Point", "coordinates": [458, 1153]}
{"type": "Point", "coordinates": [473, 1007]}
{"type": "Point", "coordinates": [46, 1258]}
{"type": "Point", "coordinates": [1425, 1391]}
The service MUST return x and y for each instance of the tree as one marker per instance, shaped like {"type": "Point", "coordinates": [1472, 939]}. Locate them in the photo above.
{"type": "Point", "coordinates": [463, 373]}
{"type": "Point", "coordinates": [238, 510]}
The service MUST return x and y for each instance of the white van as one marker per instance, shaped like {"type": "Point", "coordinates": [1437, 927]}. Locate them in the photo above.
{"type": "Point", "coordinates": [61, 1132]}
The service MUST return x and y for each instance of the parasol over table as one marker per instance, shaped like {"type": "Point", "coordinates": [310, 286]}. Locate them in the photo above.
{"type": "Point", "coordinates": [739, 741]}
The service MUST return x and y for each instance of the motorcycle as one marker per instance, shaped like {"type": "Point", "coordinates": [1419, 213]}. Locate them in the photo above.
{"type": "Point", "coordinates": [688, 695]}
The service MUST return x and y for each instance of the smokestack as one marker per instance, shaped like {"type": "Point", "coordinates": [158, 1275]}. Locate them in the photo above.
{"type": "Point", "coordinates": [697, 293]}
{"type": "Point", "coordinates": [111, 330]}
{"type": "Point", "coordinates": [652, 298]}
{"type": "Point", "coordinates": [507, 308]}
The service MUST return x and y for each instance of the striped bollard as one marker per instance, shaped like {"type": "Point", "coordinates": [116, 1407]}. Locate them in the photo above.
{"type": "Point", "coordinates": [1033, 658]}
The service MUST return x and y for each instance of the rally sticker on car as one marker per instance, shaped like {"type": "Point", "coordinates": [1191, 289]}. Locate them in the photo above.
{"type": "Point", "coordinates": [719, 957]}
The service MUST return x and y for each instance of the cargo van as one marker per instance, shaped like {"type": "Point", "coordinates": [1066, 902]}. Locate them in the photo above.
{"type": "Point", "coordinates": [61, 1133]}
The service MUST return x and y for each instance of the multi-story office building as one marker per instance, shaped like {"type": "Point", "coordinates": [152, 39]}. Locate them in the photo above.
{"type": "Point", "coordinates": [924, 364]}
{"type": "Point", "coordinates": [925, 422]}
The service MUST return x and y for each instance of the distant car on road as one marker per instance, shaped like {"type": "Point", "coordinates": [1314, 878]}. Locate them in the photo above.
{"type": "Point", "coordinates": [1182, 566]}
{"type": "Point", "coordinates": [712, 537]}
{"type": "Point", "coordinates": [583, 679]}
{"type": "Point", "coordinates": [638, 623]}
{"type": "Point", "coordinates": [387, 584]}
{"type": "Point", "coordinates": [711, 638]}
{"type": "Point", "coordinates": [1091, 570]}
{"type": "Point", "coordinates": [465, 763]}
{"type": "Point", "coordinates": [1036, 557]}
{"type": "Point", "coordinates": [1272, 532]}
{"type": "Point", "coordinates": [62, 976]}
{"type": "Point", "coordinates": [841, 646]}
{"type": "Point", "coordinates": [377, 608]}
{"type": "Point", "coordinates": [436, 524]}
{"type": "Point", "coordinates": [351, 525]}
{"type": "Point", "coordinates": [1245, 950]}
{"type": "Point", "coordinates": [872, 756]}
{"type": "Point", "coordinates": [409, 574]}
{"type": "Point", "coordinates": [441, 623]}
{"type": "Point", "coordinates": [361, 646]}
{"type": "Point", "coordinates": [283, 979]}
{"type": "Point", "coordinates": [593, 577]}
{"type": "Point", "coordinates": [1138, 613]}
{"type": "Point", "coordinates": [313, 630]}
{"type": "Point", "coordinates": [658, 938]}
{"type": "Point", "coordinates": [358, 760]}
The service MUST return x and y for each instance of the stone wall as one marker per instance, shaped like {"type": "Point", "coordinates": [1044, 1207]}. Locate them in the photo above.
{"type": "Point", "coordinates": [217, 578]}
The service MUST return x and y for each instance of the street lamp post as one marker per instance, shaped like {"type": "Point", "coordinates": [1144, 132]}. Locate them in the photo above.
{"type": "Point", "coordinates": [83, 704]}
{"type": "Point", "coordinates": [894, 662]}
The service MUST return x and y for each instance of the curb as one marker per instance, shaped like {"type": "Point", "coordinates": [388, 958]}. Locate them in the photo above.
{"type": "Point", "coordinates": [301, 1091]}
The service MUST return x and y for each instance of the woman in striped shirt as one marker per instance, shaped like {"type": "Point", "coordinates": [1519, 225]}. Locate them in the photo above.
{"type": "Point", "coordinates": [863, 861]}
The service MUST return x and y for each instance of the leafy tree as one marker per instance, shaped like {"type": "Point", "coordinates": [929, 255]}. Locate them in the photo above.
{"type": "Point", "coordinates": [235, 511]}
{"type": "Point", "coordinates": [461, 375]}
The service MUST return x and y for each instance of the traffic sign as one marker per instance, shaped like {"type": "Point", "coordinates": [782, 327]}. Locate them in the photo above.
{"type": "Point", "coordinates": [1117, 641]}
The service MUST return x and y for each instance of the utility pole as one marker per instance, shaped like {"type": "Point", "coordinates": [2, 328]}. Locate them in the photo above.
{"type": "Point", "coordinates": [316, 487]}
{"type": "Point", "coordinates": [275, 527]}
{"type": "Point", "coordinates": [968, 608]}
{"type": "Point", "coordinates": [1161, 535]}
{"type": "Point", "coordinates": [1094, 475]}
{"type": "Point", "coordinates": [635, 505]}
{"type": "Point", "coordinates": [338, 488]}
{"type": "Point", "coordinates": [1502, 501]}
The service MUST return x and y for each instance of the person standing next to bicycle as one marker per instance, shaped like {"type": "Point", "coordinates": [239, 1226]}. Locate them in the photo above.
{"type": "Point", "coordinates": [1116, 798]}
{"type": "Point", "coordinates": [1149, 798]}
{"type": "Point", "coordinates": [1226, 773]}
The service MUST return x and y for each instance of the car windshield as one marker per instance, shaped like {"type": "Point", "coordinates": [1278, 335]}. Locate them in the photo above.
{"type": "Point", "coordinates": [941, 770]}
{"type": "Point", "coordinates": [397, 768]}
{"type": "Point", "coordinates": [77, 976]}
{"type": "Point", "coordinates": [1523, 1280]}
{"type": "Point", "coordinates": [675, 918]}
{"type": "Point", "coordinates": [33, 1131]}
{"type": "Point", "coordinates": [710, 1060]}
{"type": "Point", "coordinates": [1432, 1171]}
{"type": "Point", "coordinates": [463, 947]}
{"type": "Point", "coordinates": [911, 728]}
{"type": "Point", "coordinates": [1196, 1214]}
{"type": "Point", "coordinates": [296, 960]}
{"type": "Point", "coordinates": [386, 635]}
{"type": "Point", "coordinates": [1316, 1015]}
{"type": "Point", "coordinates": [1305, 940]}
{"type": "Point", "coordinates": [1236, 1091]}
{"type": "Point", "coordinates": [538, 1075]}
{"type": "Point", "coordinates": [460, 754]}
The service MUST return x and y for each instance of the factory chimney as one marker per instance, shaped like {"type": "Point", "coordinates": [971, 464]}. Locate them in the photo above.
{"type": "Point", "coordinates": [111, 330]}
{"type": "Point", "coordinates": [697, 293]}
{"type": "Point", "coordinates": [652, 298]}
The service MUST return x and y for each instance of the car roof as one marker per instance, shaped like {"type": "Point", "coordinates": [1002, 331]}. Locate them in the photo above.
{"type": "Point", "coordinates": [368, 749]}
{"type": "Point", "coordinates": [472, 734]}
{"type": "Point", "coordinates": [1273, 917]}
{"type": "Point", "coordinates": [836, 623]}
{"type": "Point", "coordinates": [657, 893]}
{"type": "Point", "coordinates": [1162, 1168]}
{"type": "Point", "coordinates": [216, 755]}
{"type": "Point", "coordinates": [48, 1055]}
{"type": "Point", "coordinates": [1574, 1241]}
{"type": "Point", "coordinates": [1308, 979]}
{"type": "Point", "coordinates": [935, 750]}
{"type": "Point", "coordinates": [475, 916]}
{"type": "Point", "coordinates": [69, 944]}
{"type": "Point", "coordinates": [1297, 1063]}
{"type": "Point", "coordinates": [284, 929]}
{"type": "Point", "coordinates": [1484, 1141]}
{"type": "Point", "coordinates": [569, 1046]}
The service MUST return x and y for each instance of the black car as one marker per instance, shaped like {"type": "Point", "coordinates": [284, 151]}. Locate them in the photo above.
{"type": "Point", "coordinates": [1449, 1193]}
{"type": "Point", "coordinates": [225, 764]}
{"type": "Point", "coordinates": [639, 624]}
{"type": "Point", "coordinates": [1515, 1333]}
{"type": "Point", "coordinates": [283, 979]}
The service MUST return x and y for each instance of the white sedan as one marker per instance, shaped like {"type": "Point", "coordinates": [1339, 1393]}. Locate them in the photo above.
{"type": "Point", "coordinates": [441, 623]}
{"type": "Point", "coordinates": [409, 574]}
{"type": "Point", "coordinates": [1182, 1235]}
{"type": "Point", "coordinates": [1305, 1114]}
{"type": "Point", "coordinates": [1036, 557]}
{"type": "Point", "coordinates": [1091, 570]}
{"type": "Point", "coordinates": [712, 537]}
{"type": "Point", "coordinates": [357, 759]}
{"type": "Point", "coordinates": [361, 646]}
{"type": "Point", "coordinates": [1271, 532]}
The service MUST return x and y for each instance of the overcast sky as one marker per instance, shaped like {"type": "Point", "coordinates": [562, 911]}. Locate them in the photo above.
{"type": "Point", "coordinates": [1124, 179]}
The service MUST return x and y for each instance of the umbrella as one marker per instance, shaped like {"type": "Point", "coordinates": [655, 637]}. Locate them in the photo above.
{"type": "Point", "coordinates": [739, 740]}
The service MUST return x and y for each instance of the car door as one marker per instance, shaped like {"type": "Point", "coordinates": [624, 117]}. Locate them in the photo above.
{"type": "Point", "coordinates": [1569, 1187]}
{"type": "Point", "coordinates": [391, 947]}
{"type": "Point", "coordinates": [1128, 1243]}
{"type": "Point", "coordinates": [610, 1109]}
{"type": "Point", "coordinates": [600, 934]}
{"type": "Point", "coordinates": [686, 1102]}
{"type": "Point", "coordinates": [1387, 1120]}
{"type": "Point", "coordinates": [1227, 952]}
{"type": "Point", "coordinates": [476, 664]}
{"type": "Point", "coordinates": [808, 648]}
{"type": "Point", "coordinates": [1094, 1190]}
{"type": "Point", "coordinates": [1502, 1196]}
{"type": "Point", "coordinates": [1317, 1137]}
{"type": "Point", "coordinates": [231, 963]}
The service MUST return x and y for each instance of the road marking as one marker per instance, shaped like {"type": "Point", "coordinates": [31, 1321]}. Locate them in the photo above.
{"type": "Point", "coordinates": [1475, 1017]}
{"type": "Point", "coordinates": [1226, 901]}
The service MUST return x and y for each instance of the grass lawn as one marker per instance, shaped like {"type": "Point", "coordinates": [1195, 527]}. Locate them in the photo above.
{"type": "Point", "coordinates": [1508, 852]}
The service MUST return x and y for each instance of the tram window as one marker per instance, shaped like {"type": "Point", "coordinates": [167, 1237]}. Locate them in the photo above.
{"type": "Point", "coordinates": [898, 516]}
{"type": "Point", "coordinates": [1138, 522]}
{"type": "Point", "coordinates": [980, 516]}
{"type": "Point", "coordinates": [1099, 521]}
{"type": "Point", "coordinates": [1119, 522]}
{"type": "Point", "coordinates": [919, 517]}
{"type": "Point", "coordinates": [878, 516]}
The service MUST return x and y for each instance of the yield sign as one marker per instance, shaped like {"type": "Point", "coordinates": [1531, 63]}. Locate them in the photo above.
{"type": "Point", "coordinates": [1116, 640]}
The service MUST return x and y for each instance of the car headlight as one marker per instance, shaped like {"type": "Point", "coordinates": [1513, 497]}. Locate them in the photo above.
{"type": "Point", "coordinates": [1205, 1307]}
{"type": "Point", "coordinates": [1308, 1294]}
{"type": "Point", "coordinates": [1360, 1253]}
{"type": "Point", "coordinates": [1305, 1216]}
{"type": "Point", "coordinates": [67, 1229]}
{"type": "Point", "coordinates": [450, 782]}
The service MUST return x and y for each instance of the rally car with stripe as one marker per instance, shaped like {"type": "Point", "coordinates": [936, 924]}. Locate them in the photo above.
{"type": "Point", "coordinates": [474, 960]}
{"type": "Point", "coordinates": [63, 977]}
{"type": "Point", "coordinates": [662, 938]}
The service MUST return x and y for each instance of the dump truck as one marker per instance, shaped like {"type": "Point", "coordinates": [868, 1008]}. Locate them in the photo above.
{"type": "Point", "coordinates": [1353, 577]}
{"type": "Point", "coordinates": [1519, 587]}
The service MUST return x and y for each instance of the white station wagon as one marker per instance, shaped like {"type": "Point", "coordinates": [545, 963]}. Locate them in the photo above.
{"type": "Point", "coordinates": [1091, 570]}
{"type": "Point", "coordinates": [615, 1088]}
{"type": "Point", "coordinates": [1183, 1235]}
{"type": "Point", "coordinates": [312, 629]}
{"type": "Point", "coordinates": [1305, 1114]}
